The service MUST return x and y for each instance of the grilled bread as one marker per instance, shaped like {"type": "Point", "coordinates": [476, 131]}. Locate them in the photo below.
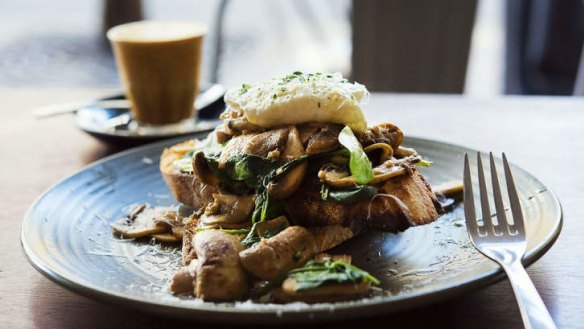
{"type": "Point", "coordinates": [403, 201]}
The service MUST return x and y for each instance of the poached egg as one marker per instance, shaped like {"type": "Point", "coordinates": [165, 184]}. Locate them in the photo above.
{"type": "Point", "coordinates": [300, 98]}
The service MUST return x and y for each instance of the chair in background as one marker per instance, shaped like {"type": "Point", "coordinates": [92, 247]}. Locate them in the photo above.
{"type": "Point", "coordinates": [418, 46]}
{"type": "Point", "coordinates": [544, 42]}
{"type": "Point", "coordinates": [118, 12]}
{"type": "Point", "coordinates": [579, 85]}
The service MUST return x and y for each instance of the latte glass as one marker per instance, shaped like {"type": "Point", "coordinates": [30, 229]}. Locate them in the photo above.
{"type": "Point", "coordinates": [159, 63]}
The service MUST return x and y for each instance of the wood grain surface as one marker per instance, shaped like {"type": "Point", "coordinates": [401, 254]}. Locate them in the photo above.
{"type": "Point", "coordinates": [543, 135]}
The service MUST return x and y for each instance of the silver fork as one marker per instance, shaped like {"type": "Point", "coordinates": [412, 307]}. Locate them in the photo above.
{"type": "Point", "coordinates": [504, 242]}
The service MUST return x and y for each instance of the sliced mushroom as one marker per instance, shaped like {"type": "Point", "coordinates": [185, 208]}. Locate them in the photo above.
{"type": "Point", "coordinates": [339, 177]}
{"type": "Point", "coordinates": [283, 187]}
{"type": "Point", "coordinates": [269, 228]}
{"type": "Point", "coordinates": [386, 133]}
{"type": "Point", "coordinates": [290, 290]}
{"type": "Point", "coordinates": [325, 140]}
{"type": "Point", "coordinates": [235, 122]}
{"type": "Point", "coordinates": [201, 170]}
{"type": "Point", "coordinates": [171, 218]}
{"type": "Point", "coordinates": [336, 176]}
{"type": "Point", "coordinates": [241, 125]}
{"type": "Point", "coordinates": [385, 149]}
{"type": "Point", "coordinates": [307, 130]}
{"type": "Point", "coordinates": [166, 237]}
{"type": "Point", "coordinates": [450, 189]}
{"type": "Point", "coordinates": [329, 292]}
{"type": "Point", "coordinates": [141, 222]}
{"type": "Point", "coordinates": [386, 171]}
{"type": "Point", "coordinates": [178, 231]}
{"type": "Point", "coordinates": [448, 193]}
{"type": "Point", "coordinates": [405, 152]}
{"type": "Point", "coordinates": [222, 135]}
{"type": "Point", "coordinates": [190, 229]}
{"type": "Point", "coordinates": [293, 147]}
{"type": "Point", "coordinates": [228, 211]}
{"type": "Point", "coordinates": [263, 143]}
{"type": "Point", "coordinates": [220, 276]}
{"type": "Point", "coordinates": [272, 257]}
{"type": "Point", "coordinates": [183, 281]}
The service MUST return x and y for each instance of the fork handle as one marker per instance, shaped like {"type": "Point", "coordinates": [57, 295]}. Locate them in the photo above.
{"type": "Point", "coordinates": [533, 311]}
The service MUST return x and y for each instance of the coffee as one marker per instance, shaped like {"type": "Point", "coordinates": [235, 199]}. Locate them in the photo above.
{"type": "Point", "coordinates": [160, 67]}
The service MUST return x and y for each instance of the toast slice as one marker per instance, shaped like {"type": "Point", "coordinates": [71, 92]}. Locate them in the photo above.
{"type": "Point", "coordinates": [402, 202]}
{"type": "Point", "coordinates": [186, 188]}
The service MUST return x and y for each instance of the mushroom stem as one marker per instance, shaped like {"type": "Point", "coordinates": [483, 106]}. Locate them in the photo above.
{"type": "Point", "coordinates": [386, 151]}
{"type": "Point", "coordinates": [202, 171]}
{"type": "Point", "coordinates": [349, 181]}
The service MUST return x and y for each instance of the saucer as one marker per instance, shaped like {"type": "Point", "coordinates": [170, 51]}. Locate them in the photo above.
{"type": "Point", "coordinates": [115, 125]}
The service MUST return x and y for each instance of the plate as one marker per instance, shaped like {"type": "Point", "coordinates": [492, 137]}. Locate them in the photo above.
{"type": "Point", "coordinates": [66, 235]}
{"type": "Point", "coordinates": [113, 125]}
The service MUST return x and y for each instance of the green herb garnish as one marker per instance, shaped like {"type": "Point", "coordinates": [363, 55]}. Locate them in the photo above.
{"type": "Point", "coordinates": [314, 274]}
{"type": "Point", "coordinates": [359, 163]}
{"type": "Point", "coordinates": [424, 163]}
{"type": "Point", "coordinates": [354, 195]}
{"type": "Point", "coordinates": [244, 88]}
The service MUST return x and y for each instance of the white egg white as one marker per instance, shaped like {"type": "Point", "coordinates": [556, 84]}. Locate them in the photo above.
{"type": "Point", "coordinates": [301, 98]}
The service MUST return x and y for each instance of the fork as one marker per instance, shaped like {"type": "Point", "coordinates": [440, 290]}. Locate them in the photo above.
{"type": "Point", "coordinates": [504, 242]}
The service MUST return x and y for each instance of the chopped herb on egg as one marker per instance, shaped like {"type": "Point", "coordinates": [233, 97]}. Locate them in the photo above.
{"type": "Point", "coordinates": [244, 88]}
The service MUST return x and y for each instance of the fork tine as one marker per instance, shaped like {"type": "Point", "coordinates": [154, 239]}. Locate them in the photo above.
{"type": "Point", "coordinates": [469, 208]}
{"type": "Point", "coordinates": [500, 207]}
{"type": "Point", "coordinates": [513, 198]}
{"type": "Point", "coordinates": [485, 208]}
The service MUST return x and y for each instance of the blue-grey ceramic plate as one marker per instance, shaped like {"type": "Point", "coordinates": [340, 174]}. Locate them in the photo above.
{"type": "Point", "coordinates": [67, 236]}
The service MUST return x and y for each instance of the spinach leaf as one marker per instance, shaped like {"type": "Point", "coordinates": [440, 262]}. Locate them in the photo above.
{"type": "Point", "coordinates": [314, 274]}
{"type": "Point", "coordinates": [281, 171]}
{"type": "Point", "coordinates": [359, 164]}
{"type": "Point", "coordinates": [263, 207]}
{"type": "Point", "coordinates": [252, 237]}
{"type": "Point", "coordinates": [245, 168]}
{"type": "Point", "coordinates": [360, 193]}
{"type": "Point", "coordinates": [256, 173]}
{"type": "Point", "coordinates": [249, 168]}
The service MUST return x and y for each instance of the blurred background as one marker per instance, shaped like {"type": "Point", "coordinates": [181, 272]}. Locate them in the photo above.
{"type": "Point", "coordinates": [479, 48]}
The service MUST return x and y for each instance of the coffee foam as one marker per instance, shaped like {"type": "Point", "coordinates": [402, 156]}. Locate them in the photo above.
{"type": "Point", "coordinates": [156, 31]}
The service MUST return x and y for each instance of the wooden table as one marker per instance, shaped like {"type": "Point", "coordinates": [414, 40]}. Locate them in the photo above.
{"type": "Point", "coordinates": [543, 135]}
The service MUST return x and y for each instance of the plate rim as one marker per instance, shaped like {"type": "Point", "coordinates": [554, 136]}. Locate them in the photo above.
{"type": "Point", "coordinates": [321, 312]}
